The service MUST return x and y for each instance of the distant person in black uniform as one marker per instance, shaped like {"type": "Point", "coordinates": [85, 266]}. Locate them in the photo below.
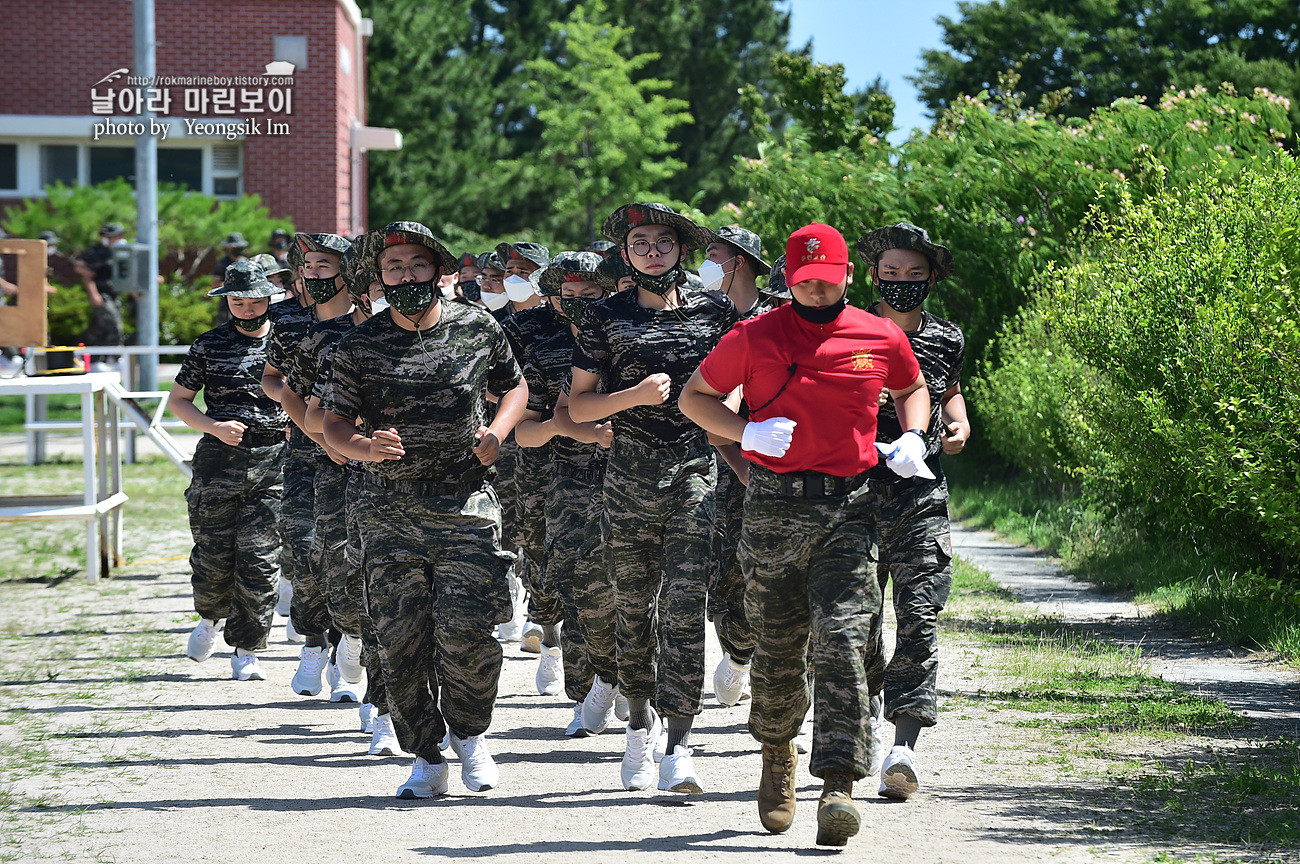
{"type": "Point", "coordinates": [95, 267]}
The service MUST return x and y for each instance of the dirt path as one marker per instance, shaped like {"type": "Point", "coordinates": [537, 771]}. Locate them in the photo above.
{"type": "Point", "coordinates": [117, 748]}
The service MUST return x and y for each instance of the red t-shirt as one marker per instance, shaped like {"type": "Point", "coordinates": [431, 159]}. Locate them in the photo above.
{"type": "Point", "coordinates": [840, 369]}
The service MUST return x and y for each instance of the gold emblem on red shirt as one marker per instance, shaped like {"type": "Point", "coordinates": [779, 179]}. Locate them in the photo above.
{"type": "Point", "coordinates": [862, 359]}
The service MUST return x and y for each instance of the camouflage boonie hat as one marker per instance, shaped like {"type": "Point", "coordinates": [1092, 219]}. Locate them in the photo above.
{"type": "Point", "coordinates": [245, 279]}
{"type": "Point", "coordinates": [397, 233]}
{"type": "Point", "coordinates": [332, 244]}
{"type": "Point", "coordinates": [489, 260]}
{"type": "Point", "coordinates": [535, 252]}
{"type": "Point", "coordinates": [748, 243]}
{"type": "Point", "coordinates": [610, 270]}
{"type": "Point", "coordinates": [51, 239]}
{"type": "Point", "coordinates": [268, 264]}
{"type": "Point", "coordinates": [550, 278]}
{"type": "Point", "coordinates": [112, 229]}
{"type": "Point", "coordinates": [358, 268]}
{"type": "Point", "coordinates": [467, 259]}
{"type": "Point", "coordinates": [776, 286]}
{"type": "Point", "coordinates": [905, 235]}
{"type": "Point", "coordinates": [603, 247]}
{"type": "Point", "coordinates": [234, 240]}
{"type": "Point", "coordinates": [630, 216]}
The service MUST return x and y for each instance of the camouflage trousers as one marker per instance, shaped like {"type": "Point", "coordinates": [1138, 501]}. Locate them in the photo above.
{"type": "Point", "coordinates": [331, 573]}
{"type": "Point", "coordinates": [376, 692]}
{"type": "Point", "coordinates": [727, 585]}
{"type": "Point", "coordinates": [659, 508]}
{"type": "Point", "coordinates": [309, 610]}
{"type": "Point", "coordinates": [233, 502]}
{"type": "Point", "coordinates": [105, 326]}
{"type": "Point", "coordinates": [533, 471]}
{"type": "Point", "coordinates": [916, 555]}
{"type": "Point", "coordinates": [810, 572]}
{"type": "Point", "coordinates": [435, 582]}
{"type": "Point", "coordinates": [575, 572]}
{"type": "Point", "coordinates": [504, 485]}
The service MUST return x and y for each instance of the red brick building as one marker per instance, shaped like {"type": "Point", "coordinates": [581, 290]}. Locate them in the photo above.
{"type": "Point", "coordinates": [296, 140]}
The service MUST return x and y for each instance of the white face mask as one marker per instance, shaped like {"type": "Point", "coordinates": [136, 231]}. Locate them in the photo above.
{"type": "Point", "coordinates": [495, 301]}
{"type": "Point", "coordinates": [712, 275]}
{"type": "Point", "coordinates": [448, 290]}
{"type": "Point", "coordinates": [377, 306]}
{"type": "Point", "coordinates": [518, 289]}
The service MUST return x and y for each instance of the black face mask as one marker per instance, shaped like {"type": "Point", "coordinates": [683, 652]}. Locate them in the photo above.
{"type": "Point", "coordinates": [661, 284]}
{"type": "Point", "coordinates": [410, 299]}
{"type": "Point", "coordinates": [323, 290]}
{"type": "Point", "coordinates": [904, 296]}
{"type": "Point", "coordinates": [470, 290]}
{"type": "Point", "coordinates": [252, 325]}
{"type": "Point", "coordinates": [573, 308]}
{"type": "Point", "coordinates": [822, 314]}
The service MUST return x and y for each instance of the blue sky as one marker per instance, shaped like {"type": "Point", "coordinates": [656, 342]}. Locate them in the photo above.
{"type": "Point", "coordinates": [873, 37]}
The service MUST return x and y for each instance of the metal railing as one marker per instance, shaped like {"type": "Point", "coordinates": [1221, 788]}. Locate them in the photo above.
{"type": "Point", "coordinates": [127, 401]}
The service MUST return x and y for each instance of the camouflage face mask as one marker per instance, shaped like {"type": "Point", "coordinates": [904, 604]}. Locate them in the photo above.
{"type": "Point", "coordinates": [252, 325]}
{"type": "Point", "coordinates": [661, 284]}
{"type": "Point", "coordinates": [322, 290]}
{"type": "Point", "coordinates": [410, 299]}
{"type": "Point", "coordinates": [574, 308]}
{"type": "Point", "coordinates": [904, 296]}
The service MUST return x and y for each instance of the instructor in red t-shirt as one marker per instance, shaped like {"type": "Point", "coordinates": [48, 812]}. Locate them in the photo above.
{"type": "Point", "coordinates": [811, 373]}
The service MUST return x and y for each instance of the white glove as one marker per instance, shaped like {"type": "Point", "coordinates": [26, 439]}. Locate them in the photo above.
{"type": "Point", "coordinates": [906, 456]}
{"type": "Point", "coordinates": [770, 437]}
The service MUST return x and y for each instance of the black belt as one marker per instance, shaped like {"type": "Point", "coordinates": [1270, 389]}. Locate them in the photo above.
{"type": "Point", "coordinates": [813, 484]}
{"type": "Point", "coordinates": [422, 487]}
{"type": "Point", "coordinates": [253, 439]}
{"type": "Point", "coordinates": [592, 473]}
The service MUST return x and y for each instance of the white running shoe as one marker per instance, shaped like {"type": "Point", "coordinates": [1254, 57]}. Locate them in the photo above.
{"type": "Point", "coordinates": [598, 707]}
{"type": "Point", "coordinates": [575, 729]}
{"type": "Point", "coordinates": [513, 630]}
{"type": "Point", "coordinates": [661, 744]}
{"type": "Point", "coordinates": [803, 741]}
{"type": "Point", "coordinates": [244, 667]}
{"type": "Point", "coordinates": [285, 603]}
{"type": "Point", "coordinates": [292, 635]}
{"type": "Point", "coordinates": [677, 773]}
{"type": "Point", "coordinates": [898, 776]}
{"type": "Point", "coordinates": [477, 770]}
{"type": "Point", "coordinates": [876, 753]}
{"type": "Point", "coordinates": [620, 706]}
{"type": "Point", "coordinates": [531, 641]}
{"type": "Point", "coordinates": [638, 757]}
{"type": "Point", "coordinates": [550, 671]}
{"type": "Point", "coordinates": [383, 741]}
{"type": "Point", "coordinates": [203, 639]}
{"type": "Point", "coordinates": [730, 680]}
{"type": "Point", "coordinates": [308, 680]}
{"type": "Point", "coordinates": [348, 658]}
{"type": "Point", "coordinates": [445, 743]}
{"type": "Point", "coordinates": [367, 714]}
{"type": "Point", "coordinates": [425, 781]}
{"type": "Point", "coordinates": [342, 690]}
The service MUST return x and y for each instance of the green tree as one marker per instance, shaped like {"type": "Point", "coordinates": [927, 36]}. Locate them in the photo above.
{"type": "Point", "coordinates": [1100, 52]}
{"type": "Point", "coordinates": [604, 133]}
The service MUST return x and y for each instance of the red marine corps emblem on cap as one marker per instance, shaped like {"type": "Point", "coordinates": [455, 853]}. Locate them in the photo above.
{"type": "Point", "coordinates": [635, 216]}
{"type": "Point", "coordinates": [394, 240]}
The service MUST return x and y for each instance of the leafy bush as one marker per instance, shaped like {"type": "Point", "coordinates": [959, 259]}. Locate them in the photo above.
{"type": "Point", "coordinates": [1182, 324]}
{"type": "Point", "coordinates": [191, 227]}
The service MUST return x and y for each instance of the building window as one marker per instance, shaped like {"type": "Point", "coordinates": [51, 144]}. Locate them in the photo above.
{"type": "Point", "coordinates": [108, 163]}
{"type": "Point", "coordinates": [8, 166]}
{"type": "Point", "coordinates": [58, 164]}
{"type": "Point", "coordinates": [226, 171]}
{"type": "Point", "coordinates": [292, 49]}
{"type": "Point", "coordinates": [182, 166]}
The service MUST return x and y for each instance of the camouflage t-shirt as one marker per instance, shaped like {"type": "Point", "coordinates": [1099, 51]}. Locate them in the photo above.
{"type": "Point", "coordinates": [311, 358]}
{"type": "Point", "coordinates": [428, 386]}
{"type": "Point", "coordinates": [227, 366]}
{"type": "Point", "coordinates": [940, 348]}
{"type": "Point", "coordinates": [525, 329]}
{"type": "Point", "coordinates": [623, 342]}
{"type": "Point", "coordinates": [289, 325]}
{"type": "Point", "coordinates": [548, 368]}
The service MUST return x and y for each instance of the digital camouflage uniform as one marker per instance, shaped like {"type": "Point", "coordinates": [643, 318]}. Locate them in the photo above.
{"type": "Point", "coordinates": [289, 324]}
{"type": "Point", "coordinates": [574, 505]}
{"type": "Point", "coordinates": [658, 491]}
{"type": "Point", "coordinates": [532, 475]}
{"type": "Point", "coordinates": [435, 572]}
{"type": "Point", "coordinates": [105, 326]}
{"type": "Point", "coordinates": [915, 544]}
{"type": "Point", "coordinates": [234, 496]}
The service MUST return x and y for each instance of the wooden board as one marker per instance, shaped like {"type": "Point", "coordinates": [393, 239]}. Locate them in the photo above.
{"type": "Point", "coordinates": [26, 323]}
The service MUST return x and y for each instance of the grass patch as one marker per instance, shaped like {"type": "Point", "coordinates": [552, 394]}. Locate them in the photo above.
{"type": "Point", "coordinates": [1221, 590]}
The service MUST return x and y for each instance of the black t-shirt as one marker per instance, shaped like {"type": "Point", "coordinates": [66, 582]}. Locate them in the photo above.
{"type": "Point", "coordinates": [226, 364]}
{"type": "Point", "coordinates": [429, 386]}
{"type": "Point", "coordinates": [548, 368]}
{"type": "Point", "coordinates": [290, 323]}
{"type": "Point", "coordinates": [940, 349]}
{"type": "Point", "coordinates": [99, 260]}
{"type": "Point", "coordinates": [623, 342]}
